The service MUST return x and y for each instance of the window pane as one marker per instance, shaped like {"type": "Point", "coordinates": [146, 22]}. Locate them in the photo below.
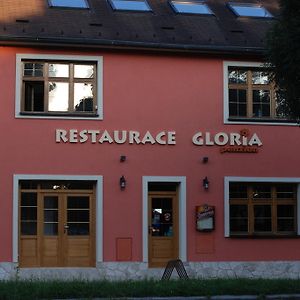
{"type": "Point", "coordinates": [130, 5]}
{"type": "Point", "coordinates": [28, 213]}
{"type": "Point", "coordinates": [239, 218]}
{"type": "Point", "coordinates": [33, 69]}
{"type": "Point", "coordinates": [83, 71]}
{"type": "Point", "coordinates": [191, 7]}
{"type": "Point", "coordinates": [69, 3]}
{"type": "Point", "coordinates": [28, 228]}
{"type": "Point", "coordinates": [58, 70]}
{"type": "Point", "coordinates": [51, 202]}
{"type": "Point", "coordinates": [237, 76]}
{"type": "Point", "coordinates": [50, 229]}
{"type": "Point", "coordinates": [260, 77]}
{"type": "Point", "coordinates": [261, 191]}
{"type": "Point", "coordinates": [285, 191]}
{"type": "Point", "coordinates": [58, 96]}
{"type": "Point", "coordinates": [237, 103]}
{"type": "Point", "coordinates": [51, 215]}
{"type": "Point", "coordinates": [78, 229]}
{"type": "Point", "coordinates": [262, 218]}
{"type": "Point", "coordinates": [237, 190]}
{"type": "Point", "coordinates": [34, 96]}
{"type": "Point", "coordinates": [28, 199]}
{"type": "Point", "coordinates": [28, 184]}
{"type": "Point", "coordinates": [78, 215]}
{"type": "Point", "coordinates": [261, 103]}
{"type": "Point", "coordinates": [249, 10]}
{"type": "Point", "coordinates": [285, 211]}
{"type": "Point", "coordinates": [78, 202]}
{"type": "Point", "coordinates": [83, 97]}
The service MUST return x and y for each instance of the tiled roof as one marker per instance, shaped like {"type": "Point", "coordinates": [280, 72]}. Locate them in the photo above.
{"type": "Point", "coordinates": [34, 22]}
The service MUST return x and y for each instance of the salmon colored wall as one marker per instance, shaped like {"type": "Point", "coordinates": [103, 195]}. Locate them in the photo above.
{"type": "Point", "coordinates": [147, 92]}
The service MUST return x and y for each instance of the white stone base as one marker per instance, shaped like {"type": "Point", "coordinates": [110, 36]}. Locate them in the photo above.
{"type": "Point", "coordinates": [140, 270]}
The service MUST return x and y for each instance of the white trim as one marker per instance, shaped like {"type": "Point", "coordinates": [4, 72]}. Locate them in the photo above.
{"type": "Point", "coordinates": [228, 179]}
{"type": "Point", "coordinates": [98, 59]}
{"type": "Point", "coordinates": [227, 64]}
{"type": "Point", "coordinates": [182, 212]}
{"type": "Point", "coordinates": [99, 207]}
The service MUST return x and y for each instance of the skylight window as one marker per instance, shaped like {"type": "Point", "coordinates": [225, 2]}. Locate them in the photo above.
{"type": "Point", "coordinates": [133, 5]}
{"type": "Point", "coordinates": [190, 7]}
{"type": "Point", "coordinates": [249, 10]}
{"type": "Point", "coordinates": [69, 3]}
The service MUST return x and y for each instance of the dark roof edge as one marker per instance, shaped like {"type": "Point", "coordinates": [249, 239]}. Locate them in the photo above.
{"type": "Point", "coordinates": [130, 45]}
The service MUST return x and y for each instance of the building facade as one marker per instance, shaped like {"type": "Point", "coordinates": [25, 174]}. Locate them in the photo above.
{"type": "Point", "coordinates": [124, 148]}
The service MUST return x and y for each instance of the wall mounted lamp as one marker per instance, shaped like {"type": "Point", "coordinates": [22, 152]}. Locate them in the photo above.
{"type": "Point", "coordinates": [205, 159]}
{"type": "Point", "coordinates": [122, 158]}
{"type": "Point", "coordinates": [122, 182]}
{"type": "Point", "coordinates": [205, 183]}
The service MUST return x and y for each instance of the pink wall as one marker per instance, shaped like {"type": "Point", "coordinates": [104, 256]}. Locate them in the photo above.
{"type": "Point", "coordinates": [147, 92]}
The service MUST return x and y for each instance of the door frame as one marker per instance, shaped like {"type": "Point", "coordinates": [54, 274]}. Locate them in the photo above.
{"type": "Point", "coordinates": [98, 208]}
{"type": "Point", "coordinates": [181, 180]}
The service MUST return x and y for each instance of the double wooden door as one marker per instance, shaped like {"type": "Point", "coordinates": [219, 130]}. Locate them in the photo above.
{"type": "Point", "coordinates": [163, 228]}
{"type": "Point", "coordinates": [64, 235]}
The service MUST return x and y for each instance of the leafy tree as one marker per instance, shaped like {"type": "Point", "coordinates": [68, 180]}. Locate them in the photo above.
{"type": "Point", "coordinates": [283, 55]}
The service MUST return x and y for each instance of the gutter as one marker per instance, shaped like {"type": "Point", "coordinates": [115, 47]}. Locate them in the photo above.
{"type": "Point", "coordinates": [129, 45]}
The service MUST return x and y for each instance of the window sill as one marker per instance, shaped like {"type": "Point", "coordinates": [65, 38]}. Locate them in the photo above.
{"type": "Point", "coordinates": [266, 121]}
{"type": "Point", "coordinates": [265, 236]}
{"type": "Point", "coordinates": [58, 115]}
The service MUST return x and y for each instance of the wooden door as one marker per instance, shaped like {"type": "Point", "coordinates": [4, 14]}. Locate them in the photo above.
{"type": "Point", "coordinates": [65, 234]}
{"type": "Point", "coordinates": [163, 228]}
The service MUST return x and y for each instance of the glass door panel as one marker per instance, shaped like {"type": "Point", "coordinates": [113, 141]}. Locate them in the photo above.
{"type": "Point", "coordinates": [51, 215]}
{"type": "Point", "coordinates": [162, 217]}
{"type": "Point", "coordinates": [78, 215]}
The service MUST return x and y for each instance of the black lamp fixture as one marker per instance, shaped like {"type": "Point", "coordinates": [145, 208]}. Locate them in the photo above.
{"type": "Point", "coordinates": [205, 183]}
{"type": "Point", "coordinates": [122, 182]}
{"type": "Point", "coordinates": [205, 159]}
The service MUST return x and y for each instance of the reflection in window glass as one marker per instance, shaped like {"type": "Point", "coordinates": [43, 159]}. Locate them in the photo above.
{"type": "Point", "coordinates": [69, 3]}
{"type": "Point", "coordinates": [249, 10]}
{"type": "Point", "coordinates": [83, 97]}
{"type": "Point", "coordinates": [191, 7]}
{"type": "Point", "coordinates": [259, 77]}
{"type": "Point", "coordinates": [58, 96]}
{"type": "Point", "coordinates": [135, 5]}
{"type": "Point", "coordinates": [261, 103]}
{"type": "Point", "coordinates": [237, 76]}
{"type": "Point", "coordinates": [58, 70]}
{"type": "Point", "coordinates": [83, 71]}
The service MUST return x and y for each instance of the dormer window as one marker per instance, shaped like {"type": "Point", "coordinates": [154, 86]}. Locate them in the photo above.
{"type": "Point", "coordinates": [69, 3]}
{"type": "Point", "coordinates": [131, 5]}
{"type": "Point", "coordinates": [249, 10]}
{"type": "Point", "coordinates": [190, 7]}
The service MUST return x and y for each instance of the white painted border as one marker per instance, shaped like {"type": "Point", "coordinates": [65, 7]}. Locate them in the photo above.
{"type": "Point", "coordinates": [229, 179]}
{"type": "Point", "coordinates": [99, 207]}
{"type": "Point", "coordinates": [227, 64]}
{"type": "Point", "coordinates": [182, 212]}
{"type": "Point", "coordinates": [98, 59]}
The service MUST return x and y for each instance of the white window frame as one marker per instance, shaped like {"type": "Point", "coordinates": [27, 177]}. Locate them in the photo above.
{"type": "Point", "coordinates": [226, 65]}
{"type": "Point", "coordinates": [99, 96]}
{"type": "Point", "coordinates": [229, 179]}
{"type": "Point", "coordinates": [99, 207]}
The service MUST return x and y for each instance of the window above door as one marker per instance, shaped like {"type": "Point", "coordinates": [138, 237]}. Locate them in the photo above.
{"type": "Point", "coordinates": [54, 86]}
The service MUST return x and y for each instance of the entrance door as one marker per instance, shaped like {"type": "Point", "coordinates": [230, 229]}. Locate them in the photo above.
{"type": "Point", "coordinates": [66, 238]}
{"type": "Point", "coordinates": [163, 228]}
{"type": "Point", "coordinates": [57, 229]}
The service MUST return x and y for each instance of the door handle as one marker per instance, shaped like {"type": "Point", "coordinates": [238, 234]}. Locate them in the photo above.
{"type": "Point", "coordinates": [66, 227]}
{"type": "Point", "coordinates": [150, 229]}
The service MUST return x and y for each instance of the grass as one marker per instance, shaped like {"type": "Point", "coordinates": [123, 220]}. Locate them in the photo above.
{"type": "Point", "coordinates": [33, 289]}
